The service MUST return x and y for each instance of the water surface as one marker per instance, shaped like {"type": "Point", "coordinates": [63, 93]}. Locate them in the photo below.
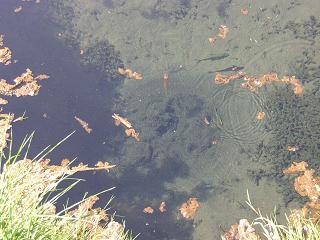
{"type": "Point", "coordinates": [175, 159]}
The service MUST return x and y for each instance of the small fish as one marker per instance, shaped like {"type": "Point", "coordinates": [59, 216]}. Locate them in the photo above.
{"type": "Point", "coordinates": [213, 57]}
{"type": "Point", "coordinates": [233, 68]}
{"type": "Point", "coordinates": [165, 82]}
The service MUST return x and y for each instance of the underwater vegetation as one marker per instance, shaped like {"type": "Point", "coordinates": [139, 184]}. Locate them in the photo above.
{"type": "Point", "coordinates": [168, 10]}
{"type": "Point", "coordinates": [294, 123]}
{"type": "Point", "coordinates": [102, 56]}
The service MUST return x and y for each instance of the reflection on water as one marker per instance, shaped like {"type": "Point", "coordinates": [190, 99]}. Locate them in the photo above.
{"type": "Point", "coordinates": [180, 155]}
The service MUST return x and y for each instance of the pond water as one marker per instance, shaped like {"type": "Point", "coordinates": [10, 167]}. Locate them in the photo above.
{"type": "Point", "coordinates": [81, 44]}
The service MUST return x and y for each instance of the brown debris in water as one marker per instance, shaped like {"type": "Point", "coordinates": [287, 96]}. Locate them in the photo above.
{"type": "Point", "coordinates": [148, 210]}
{"type": "Point", "coordinates": [83, 124]}
{"type": "Point", "coordinates": [5, 125]}
{"type": "Point", "coordinates": [224, 30]}
{"type": "Point", "coordinates": [221, 79]}
{"type": "Point", "coordinates": [212, 39]}
{"type": "Point", "coordinates": [121, 120]}
{"type": "Point", "coordinates": [25, 85]}
{"type": "Point", "coordinates": [3, 101]}
{"type": "Point", "coordinates": [292, 148]}
{"type": "Point", "coordinates": [189, 209]}
{"type": "Point", "coordinates": [241, 231]}
{"type": "Point", "coordinates": [244, 11]}
{"type": "Point", "coordinates": [130, 74]}
{"type": "Point", "coordinates": [261, 115]}
{"type": "Point", "coordinates": [252, 83]}
{"type": "Point", "coordinates": [5, 53]}
{"type": "Point", "coordinates": [163, 207]}
{"type": "Point", "coordinates": [41, 77]}
{"type": "Point", "coordinates": [130, 131]}
{"type": "Point", "coordinates": [307, 185]}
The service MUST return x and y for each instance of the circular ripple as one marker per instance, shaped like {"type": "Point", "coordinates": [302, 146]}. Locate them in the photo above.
{"type": "Point", "coordinates": [236, 115]}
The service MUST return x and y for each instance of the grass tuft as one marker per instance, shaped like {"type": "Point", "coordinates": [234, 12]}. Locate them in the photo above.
{"type": "Point", "coordinates": [28, 194]}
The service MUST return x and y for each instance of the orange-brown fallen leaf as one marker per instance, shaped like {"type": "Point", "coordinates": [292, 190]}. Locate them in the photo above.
{"type": "Point", "coordinates": [118, 120]}
{"type": "Point", "coordinates": [163, 207]}
{"type": "Point", "coordinates": [296, 167]}
{"type": "Point", "coordinates": [244, 11]}
{"type": "Point", "coordinates": [65, 162]}
{"type": "Point", "coordinates": [261, 115]}
{"type": "Point", "coordinates": [252, 82]}
{"type": "Point", "coordinates": [242, 231]}
{"type": "Point", "coordinates": [148, 210]}
{"type": "Point", "coordinates": [211, 39]}
{"type": "Point", "coordinates": [41, 77]}
{"type": "Point", "coordinates": [132, 133]}
{"type": "Point", "coordinates": [3, 101]}
{"type": "Point", "coordinates": [293, 148]}
{"type": "Point", "coordinates": [25, 85]}
{"type": "Point", "coordinates": [5, 53]}
{"type": "Point", "coordinates": [224, 30]}
{"type": "Point", "coordinates": [83, 124]}
{"type": "Point", "coordinates": [225, 79]}
{"type": "Point", "coordinates": [307, 184]}
{"type": "Point", "coordinates": [206, 121]}
{"type": "Point", "coordinates": [189, 209]}
{"type": "Point", "coordinates": [129, 73]}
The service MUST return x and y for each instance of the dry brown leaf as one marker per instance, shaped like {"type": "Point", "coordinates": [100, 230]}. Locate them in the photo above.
{"type": "Point", "coordinates": [132, 133]}
{"type": "Point", "coordinates": [296, 167]}
{"type": "Point", "coordinates": [129, 73]}
{"type": "Point", "coordinates": [118, 119]}
{"type": "Point", "coordinates": [292, 148]}
{"type": "Point", "coordinates": [83, 124]}
{"type": "Point", "coordinates": [163, 207]}
{"type": "Point", "coordinates": [261, 115]}
{"type": "Point", "coordinates": [224, 30]}
{"type": "Point", "coordinates": [189, 209]}
{"type": "Point", "coordinates": [211, 39]}
{"type": "Point", "coordinates": [241, 231]}
{"type": "Point", "coordinates": [65, 162]}
{"type": "Point", "coordinates": [244, 11]}
{"type": "Point", "coordinates": [148, 210]}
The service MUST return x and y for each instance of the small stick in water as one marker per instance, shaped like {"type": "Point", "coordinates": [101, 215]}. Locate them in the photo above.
{"type": "Point", "coordinates": [83, 124]}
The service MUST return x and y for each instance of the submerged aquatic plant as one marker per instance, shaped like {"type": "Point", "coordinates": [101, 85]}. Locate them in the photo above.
{"type": "Point", "coordinates": [28, 194]}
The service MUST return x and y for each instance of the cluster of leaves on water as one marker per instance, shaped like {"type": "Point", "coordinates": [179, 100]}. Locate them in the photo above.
{"type": "Point", "coordinates": [307, 185]}
{"type": "Point", "coordinates": [24, 85]}
{"type": "Point", "coordinates": [242, 231]}
{"type": "Point", "coordinates": [5, 53]}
